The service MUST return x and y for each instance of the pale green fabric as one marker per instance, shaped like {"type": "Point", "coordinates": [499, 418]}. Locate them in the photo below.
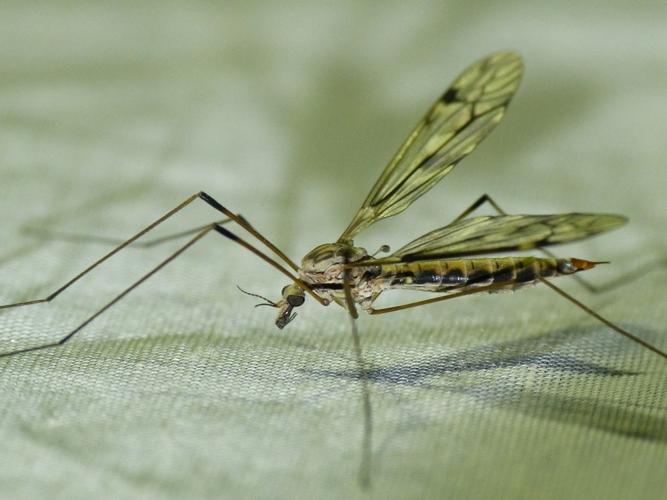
{"type": "Point", "coordinates": [286, 112]}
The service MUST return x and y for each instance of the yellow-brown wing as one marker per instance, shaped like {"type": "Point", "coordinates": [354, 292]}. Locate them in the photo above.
{"type": "Point", "coordinates": [468, 110]}
{"type": "Point", "coordinates": [503, 233]}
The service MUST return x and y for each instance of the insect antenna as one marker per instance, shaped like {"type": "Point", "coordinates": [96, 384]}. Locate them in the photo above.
{"type": "Point", "coordinates": [267, 302]}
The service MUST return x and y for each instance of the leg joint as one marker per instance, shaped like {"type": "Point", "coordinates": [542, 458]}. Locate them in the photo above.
{"type": "Point", "coordinates": [211, 201]}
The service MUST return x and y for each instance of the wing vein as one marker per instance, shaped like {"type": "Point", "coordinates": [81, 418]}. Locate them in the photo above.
{"type": "Point", "coordinates": [451, 129]}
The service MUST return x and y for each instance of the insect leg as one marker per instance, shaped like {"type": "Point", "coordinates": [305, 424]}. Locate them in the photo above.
{"type": "Point", "coordinates": [181, 234]}
{"type": "Point", "coordinates": [605, 321]}
{"type": "Point", "coordinates": [303, 285]}
{"type": "Point", "coordinates": [562, 293]}
{"type": "Point", "coordinates": [485, 198]}
{"type": "Point", "coordinates": [104, 240]}
{"type": "Point", "coordinates": [106, 256]}
{"type": "Point", "coordinates": [201, 195]}
{"type": "Point", "coordinates": [116, 299]}
{"type": "Point", "coordinates": [418, 303]}
{"type": "Point", "coordinates": [200, 235]}
{"type": "Point", "coordinates": [241, 221]}
{"type": "Point", "coordinates": [367, 439]}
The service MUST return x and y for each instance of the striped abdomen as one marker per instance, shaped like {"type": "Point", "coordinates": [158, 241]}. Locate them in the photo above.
{"type": "Point", "coordinates": [443, 275]}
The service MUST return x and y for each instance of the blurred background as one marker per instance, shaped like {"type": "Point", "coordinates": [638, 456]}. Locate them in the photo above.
{"type": "Point", "coordinates": [287, 113]}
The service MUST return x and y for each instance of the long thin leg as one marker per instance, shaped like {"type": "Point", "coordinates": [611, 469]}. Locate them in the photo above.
{"type": "Point", "coordinates": [241, 221]}
{"type": "Point", "coordinates": [211, 227]}
{"type": "Point", "coordinates": [563, 294]}
{"type": "Point", "coordinates": [131, 240]}
{"type": "Point", "coordinates": [611, 325]}
{"type": "Point", "coordinates": [103, 240]}
{"type": "Point", "coordinates": [238, 218]}
{"type": "Point", "coordinates": [179, 235]}
{"type": "Point", "coordinates": [418, 303]}
{"type": "Point", "coordinates": [304, 286]}
{"type": "Point", "coordinates": [115, 300]}
{"type": "Point", "coordinates": [485, 198]}
{"type": "Point", "coordinates": [201, 195]}
{"type": "Point", "coordinates": [367, 439]}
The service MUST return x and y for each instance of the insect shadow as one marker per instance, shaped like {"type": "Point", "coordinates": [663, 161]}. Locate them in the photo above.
{"type": "Point", "coordinates": [538, 352]}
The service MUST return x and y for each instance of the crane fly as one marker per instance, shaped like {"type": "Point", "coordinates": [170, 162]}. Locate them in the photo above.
{"type": "Point", "coordinates": [451, 261]}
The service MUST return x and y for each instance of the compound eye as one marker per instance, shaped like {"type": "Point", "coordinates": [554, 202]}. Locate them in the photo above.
{"type": "Point", "coordinates": [295, 300]}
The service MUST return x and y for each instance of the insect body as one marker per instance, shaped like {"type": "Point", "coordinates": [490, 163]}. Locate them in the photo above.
{"type": "Point", "coordinates": [442, 276]}
{"type": "Point", "coordinates": [452, 275]}
{"type": "Point", "coordinates": [427, 264]}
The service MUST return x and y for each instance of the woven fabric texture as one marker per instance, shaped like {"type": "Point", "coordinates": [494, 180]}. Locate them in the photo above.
{"type": "Point", "coordinates": [111, 116]}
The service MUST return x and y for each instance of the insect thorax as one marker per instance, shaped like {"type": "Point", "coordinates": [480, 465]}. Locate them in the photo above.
{"type": "Point", "coordinates": [324, 263]}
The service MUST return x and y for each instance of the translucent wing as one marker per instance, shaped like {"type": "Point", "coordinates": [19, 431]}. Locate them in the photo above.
{"type": "Point", "coordinates": [506, 232]}
{"type": "Point", "coordinates": [470, 108]}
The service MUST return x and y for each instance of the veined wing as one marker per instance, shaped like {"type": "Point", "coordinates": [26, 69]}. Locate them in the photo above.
{"type": "Point", "coordinates": [506, 232]}
{"type": "Point", "coordinates": [468, 110]}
